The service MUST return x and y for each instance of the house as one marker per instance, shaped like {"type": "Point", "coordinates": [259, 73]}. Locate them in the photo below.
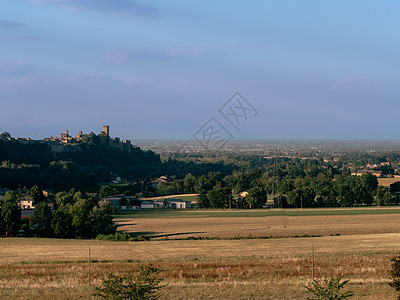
{"type": "Point", "coordinates": [26, 213]}
{"type": "Point", "coordinates": [116, 180]}
{"type": "Point", "coordinates": [113, 200]}
{"type": "Point", "coordinates": [240, 199]}
{"type": "Point", "coordinates": [362, 172]}
{"type": "Point", "coordinates": [243, 195]}
{"type": "Point", "coordinates": [27, 203]}
{"type": "Point", "coordinates": [160, 204]}
{"type": "Point", "coordinates": [128, 202]}
{"type": "Point", "coordinates": [178, 203]}
{"type": "Point", "coordinates": [52, 207]}
{"type": "Point", "coordinates": [146, 204]}
{"type": "Point", "coordinates": [94, 196]}
{"type": "Point", "coordinates": [123, 202]}
{"type": "Point", "coordinates": [47, 192]}
{"type": "Point", "coordinates": [162, 179]}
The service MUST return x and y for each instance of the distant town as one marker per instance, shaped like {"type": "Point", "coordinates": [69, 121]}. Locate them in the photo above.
{"type": "Point", "coordinates": [135, 186]}
{"type": "Point", "coordinates": [68, 143]}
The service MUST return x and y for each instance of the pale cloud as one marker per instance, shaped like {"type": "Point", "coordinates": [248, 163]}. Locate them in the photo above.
{"type": "Point", "coordinates": [143, 54]}
{"type": "Point", "coordinates": [16, 68]}
{"type": "Point", "coordinates": [343, 83]}
{"type": "Point", "coordinates": [130, 7]}
{"type": "Point", "coordinates": [20, 73]}
{"type": "Point", "coordinates": [20, 37]}
{"type": "Point", "coordinates": [18, 81]}
{"type": "Point", "coordinates": [90, 81]}
{"type": "Point", "coordinates": [15, 73]}
{"type": "Point", "coordinates": [11, 28]}
{"type": "Point", "coordinates": [9, 25]}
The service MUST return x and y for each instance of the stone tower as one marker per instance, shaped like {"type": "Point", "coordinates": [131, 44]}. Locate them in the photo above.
{"type": "Point", "coordinates": [106, 130]}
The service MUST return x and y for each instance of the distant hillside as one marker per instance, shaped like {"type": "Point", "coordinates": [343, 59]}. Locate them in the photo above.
{"type": "Point", "coordinates": [28, 163]}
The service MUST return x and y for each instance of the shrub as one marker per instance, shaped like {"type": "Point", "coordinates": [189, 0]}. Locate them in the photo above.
{"type": "Point", "coordinates": [143, 285]}
{"type": "Point", "coordinates": [395, 275]}
{"type": "Point", "coordinates": [329, 290]}
{"type": "Point", "coordinates": [122, 237]}
{"type": "Point", "coordinates": [118, 236]}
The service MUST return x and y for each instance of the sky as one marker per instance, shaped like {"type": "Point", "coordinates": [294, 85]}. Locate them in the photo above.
{"type": "Point", "coordinates": [161, 69]}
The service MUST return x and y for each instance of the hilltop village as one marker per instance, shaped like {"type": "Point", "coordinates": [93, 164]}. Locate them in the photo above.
{"type": "Point", "coordinates": [65, 145]}
{"type": "Point", "coordinates": [66, 142]}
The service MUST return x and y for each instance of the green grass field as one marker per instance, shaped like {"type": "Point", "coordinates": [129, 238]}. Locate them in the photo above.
{"type": "Point", "coordinates": [254, 213]}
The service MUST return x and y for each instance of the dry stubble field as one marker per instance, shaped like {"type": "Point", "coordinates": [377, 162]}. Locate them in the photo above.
{"type": "Point", "coordinates": [269, 226]}
{"type": "Point", "coordinates": [276, 268]}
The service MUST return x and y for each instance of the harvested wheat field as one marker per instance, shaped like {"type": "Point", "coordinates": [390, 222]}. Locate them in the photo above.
{"type": "Point", "coordinates": [199, 269]}
{"type": "Point", "coordinates": [268, 226]}
{"type": "Point", "coordinates": [357, 244]}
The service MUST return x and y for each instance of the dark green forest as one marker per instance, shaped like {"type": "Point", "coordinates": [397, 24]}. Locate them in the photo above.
{"type": "Point", "coordinates": [33, 163]}
{"type": "Point", "coordinates": [313, 181]}
{"type": "Point", "coordinates": [92, 162]}
{"type": "Point", "coordinates": [74, 215]}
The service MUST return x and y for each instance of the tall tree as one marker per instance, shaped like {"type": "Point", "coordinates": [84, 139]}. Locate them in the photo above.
{"type": "Point", "coordinates": [5, 134]}
{"type": "Point", "coordinates": [10, 214]}
{"type": "Point", "coordinates": [202, 201]}
{"type": "Point", "coordinates": [219, 197]}
{"type": "Point", "coordinates": [41, 220]}
{"type": "Point", "coordinates": [37, 194]}
{"type": "Point", "coordinates": [370, 182]}
{"type": "Point", "coordinates": [61, 222]}
{"type": "Point", "coordinates": [101, 220]}
{"type": "Point", "coordinates": [256, 198]}
{"type": "Point", "coordinates": [80, 217]}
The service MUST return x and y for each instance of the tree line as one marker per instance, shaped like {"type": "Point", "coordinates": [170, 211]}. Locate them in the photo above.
{"type": "Point", "coordinates": [300, 183]}
{"type": "Point", "coordinates": [75, 216]}
{"type": "Point", "coordinates": [323, 180]}
{"type": "Point", "coordinates": [92, 162]}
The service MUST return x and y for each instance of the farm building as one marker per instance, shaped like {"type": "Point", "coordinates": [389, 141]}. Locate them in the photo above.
{"type": "Point", "coordinates": [114, 201]}
{"type": "Point", "coordinates": [172, 203]}
{"type": "Point", "coordinates": [123, 202]}
{"type": "Point", "coordinates": [146, 204]}
{"type": "Point", "coordinates": [178, 203]}
{"type": "Point", "coordinates": [160, 204]}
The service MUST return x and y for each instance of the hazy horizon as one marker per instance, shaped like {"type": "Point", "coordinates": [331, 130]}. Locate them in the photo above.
{"type": "Point", "coordinates": [162, 69]}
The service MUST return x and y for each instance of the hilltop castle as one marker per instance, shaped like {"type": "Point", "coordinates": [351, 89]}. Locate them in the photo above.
{"type": "Point", "coordinates": [66, 142]}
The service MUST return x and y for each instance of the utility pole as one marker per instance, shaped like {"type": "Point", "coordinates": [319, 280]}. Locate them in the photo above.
{"type": "Point", "coordinates": [313, 262]}
{"type": "Point", "coordinates": [275, 179]}
{"type": "Point", "coordinates": [89, 265]}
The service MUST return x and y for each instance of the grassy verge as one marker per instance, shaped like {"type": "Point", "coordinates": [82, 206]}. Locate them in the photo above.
{"type": "Point", "coordinates": [238, 213]}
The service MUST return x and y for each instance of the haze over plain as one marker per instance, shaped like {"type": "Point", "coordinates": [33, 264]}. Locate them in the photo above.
{"type": "Point", "coordinates": [161, 69]}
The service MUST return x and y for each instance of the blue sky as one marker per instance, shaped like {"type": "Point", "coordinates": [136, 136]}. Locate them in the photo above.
{"type": "Point", "coordinates": [161, 69]}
